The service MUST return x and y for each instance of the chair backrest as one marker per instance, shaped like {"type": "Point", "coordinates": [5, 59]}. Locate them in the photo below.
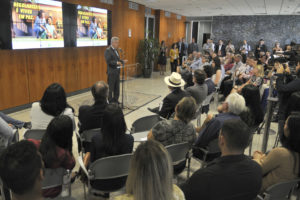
{"type": "Point", "coordinates": [36, 134]}
{"type": "Point", "coordinates": [178, 152]}
{"type": "Point", "coordinates": [280, 191]}
{"type": "Point", "coordinates": [86, 136]}
{"type": "Point", "coordinates": [110, 167]}
{"type": "Point", "coordinates": [53, 177]}
{"type": "Point", "coordinates": [145, 123]}
{"type": "Point", "coordinates": [207, 99]}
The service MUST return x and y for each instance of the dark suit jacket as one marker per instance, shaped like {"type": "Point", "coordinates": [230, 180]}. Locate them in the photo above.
{"type": "Point", "coordinates": [90, 117]}
{"type": "Point", "coordinates": [263, 48]}
{"type": "Point", "coordinates": [182, 50]}
{"type": "Point", "coordinates": [192, 47]}
{"type": "Point", "coordinates": [170, 102]}
{"type": "Point", "coordinates": [111, 59]}
{"type": "Point", "coordinates": [223, 50]}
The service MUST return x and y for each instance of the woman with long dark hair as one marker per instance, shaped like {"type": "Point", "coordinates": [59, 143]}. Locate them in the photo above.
{"type": "Point", "coordinates": [112, 140]}
{"type": "Point", "coordinates": [162, 59]}
{"type": "Point", "coordinates": [52, 104]}
{"type": "Point", "coordinates": [254, 114]}
{"type": "Point", "coordinates": [56, 148]}
{"type": "Point", "coordinates": [282, 163]}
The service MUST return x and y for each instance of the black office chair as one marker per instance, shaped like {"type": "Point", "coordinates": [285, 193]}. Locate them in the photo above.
{"type": "Point", "coordinates": [144, 123]}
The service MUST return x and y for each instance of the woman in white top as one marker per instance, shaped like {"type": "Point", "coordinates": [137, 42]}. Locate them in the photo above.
{"type": "Point", "coordinates": [52, 104]}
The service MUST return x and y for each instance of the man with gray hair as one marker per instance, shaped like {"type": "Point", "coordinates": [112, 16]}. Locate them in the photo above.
{"type": "Point", "coordinates": [114, 63]}
{"type": "Point", "coordinates": [233, 106]}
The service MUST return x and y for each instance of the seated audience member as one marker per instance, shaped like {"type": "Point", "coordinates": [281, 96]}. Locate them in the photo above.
{"type": "Point", "coordinates": [90, 117]}
{"type": "Point", "coordinates": [150, 175]}
{"type": "Point", "coordinates": [228, 83]}
{"type": "Point", "coordinates": [199, 90]}
{"type": "Point", "coordinates": [197, 63]}
{"type": "Point", "coordinates": [6, 134]}
{"type": "Point", "coordinates": [21, 170]}
{"type": "Point", "coordinates": [233, 176]}
{"type": "Point", "coordinates": [282, 163]}
{"type": "Point", "coordinates": [174, 83]}
{"type": "Point", "coordinates": [255, 79]}
{"type": "Point", "coordinates": [229, 62]}
{"type": "Point", "coordinates": [233, 106]}
{"type": "Point", "coordinates": [210, 85]}
{"type": "Point", "coordinates": [52, 104]}
{"type": "Point", "coordinates": [112, 140]}
{"type": "Point", "coordinates": [16, 123]}
{"type": "Point", "coordinates": [205, 61]}
{"type": "Point", "coordinates": [293, 104]}
{"type": "Point", "coordinates": [56, 148]}
{"type": "Point", "coordinates": [217, 71]}
{"type": "Point", "coordinates": [177, 130]}
{"type": "Point", "coordinates": [243, 74]}
{"type": "Point", "coordinates": [186, 73]}
{"type": "Point", "coordinates": [230, 47]}
{"type": "Point", "coordinates": [254, 115]}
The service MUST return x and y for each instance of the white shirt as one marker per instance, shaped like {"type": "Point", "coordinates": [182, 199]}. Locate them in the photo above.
{"type": "Point", "coordinates": [40, 120]}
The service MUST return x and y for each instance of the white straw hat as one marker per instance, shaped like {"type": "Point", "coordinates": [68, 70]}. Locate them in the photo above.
{"type": "Point", "coordinates": [174, 80]}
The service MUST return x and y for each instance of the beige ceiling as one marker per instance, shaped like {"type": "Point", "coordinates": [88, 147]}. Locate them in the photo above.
{"type": "Point", "coordinates": [225, 7]}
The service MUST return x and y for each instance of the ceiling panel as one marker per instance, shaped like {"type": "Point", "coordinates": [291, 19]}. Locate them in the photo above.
{"type": "Point", "coordinates": [225, 7]}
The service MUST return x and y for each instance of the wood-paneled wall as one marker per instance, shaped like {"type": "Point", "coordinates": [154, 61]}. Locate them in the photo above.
{"type": "Point", "coordinates": [25, 74]}
{"type": "Point", "coordinates": [170, 28]}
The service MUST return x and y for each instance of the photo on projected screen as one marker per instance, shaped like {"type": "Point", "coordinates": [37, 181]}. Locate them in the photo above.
{"type": "Point", "coordinates": [91, 26]}
{"type": "Point", "coordinates": [37, 24]}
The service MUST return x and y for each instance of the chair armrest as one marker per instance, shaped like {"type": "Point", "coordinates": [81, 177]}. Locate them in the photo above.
{"type": "Point", "coordinates": [80, 161]}
{"type": "Point", "coordinates": [259, 197]}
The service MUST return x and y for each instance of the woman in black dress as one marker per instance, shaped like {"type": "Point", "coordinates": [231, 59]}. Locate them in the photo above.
{"type": "Point", "coordinates": [162, 59]}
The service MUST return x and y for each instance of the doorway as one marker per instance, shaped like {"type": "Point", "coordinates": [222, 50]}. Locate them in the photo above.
{"type": "Point", "coordinates": [149, 26]}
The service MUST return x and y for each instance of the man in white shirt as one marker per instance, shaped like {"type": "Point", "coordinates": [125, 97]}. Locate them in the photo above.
{"type": "Point", "coordinates": [246, 47]}
{"type": "Point", "coordinates": [197, 63]}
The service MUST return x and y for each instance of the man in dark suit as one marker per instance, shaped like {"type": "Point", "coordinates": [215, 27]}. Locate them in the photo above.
{"type": "Point", "coordinates": [167, 108]}
{"type": "Point", "coordinates": [220, 49]}
{"type": "Point", "coordinates": [114, 63]}
{"type": "Point", "coordinates": [90, 117]}
{"type": "Point", "coordinates": [181, 49]}
{"type": "Point", "coordinates": [193, 47]}
{"type": "Point", "coordinates": [261, 47]}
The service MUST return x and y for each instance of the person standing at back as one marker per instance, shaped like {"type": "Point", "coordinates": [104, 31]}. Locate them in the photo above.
{"type": "Point", "coordinates": [193, 47]}
{"type": "Point", "coordinates": [114, 63]}
{"type": "Point", "coordinates": [181, 49]}
{"type": "Point", "coordinates": [233, 176]}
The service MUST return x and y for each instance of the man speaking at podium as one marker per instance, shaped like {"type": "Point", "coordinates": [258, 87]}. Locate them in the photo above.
{"type": "Point", "coordinates": [114, 63]}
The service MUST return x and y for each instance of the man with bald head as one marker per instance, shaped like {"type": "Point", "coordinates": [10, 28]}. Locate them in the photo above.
{"type": "Point", "coordinates": [90, 117]}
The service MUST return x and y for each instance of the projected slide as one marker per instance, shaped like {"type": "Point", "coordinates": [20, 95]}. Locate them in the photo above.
{"type": "Point", "coordinates": [37, 24]}
{"type": "Point", "coordinates": [91, 26]}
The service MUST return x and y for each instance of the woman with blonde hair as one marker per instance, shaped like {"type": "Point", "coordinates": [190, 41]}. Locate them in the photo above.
{"type": "Point", "coordinates": [150, 175]}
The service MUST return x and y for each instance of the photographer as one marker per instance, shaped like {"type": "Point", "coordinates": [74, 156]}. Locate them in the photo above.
{"type": "Point", "coordinates": [285, 86]}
